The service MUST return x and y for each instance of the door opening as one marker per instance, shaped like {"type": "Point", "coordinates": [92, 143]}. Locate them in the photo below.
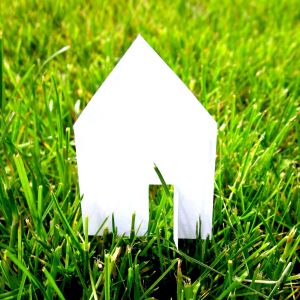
{"type": "Point", "coordinates": [161, 211]}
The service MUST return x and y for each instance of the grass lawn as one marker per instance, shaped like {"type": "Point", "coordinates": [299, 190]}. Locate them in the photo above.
{"type": "Point", "coordinates": [242, 61]}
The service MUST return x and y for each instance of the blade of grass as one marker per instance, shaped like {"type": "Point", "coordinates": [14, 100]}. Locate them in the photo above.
{"type": "Point", "coordinates": [32, 278]}
{"type": "Point", "coordinates": [26, 189]}
{"type": "Point", "coordinates": [60, 51]}
{"type": "Point", "coordinates": [1, 73]}
{"type": "Point", "coordinates": [21, 289]}
{"type": "Point", "coordinates": [67, 225]}
{"type": "Point", "coordinates": [156, 282]}
{"type": "Point", "coordinates": [107, 276]}
{"type": "Point", "coordinates": [53, 284]}
{"type": "Point", "coordinates": [280, 280]}
{"type": "Point", "coordinates": [163, 183]}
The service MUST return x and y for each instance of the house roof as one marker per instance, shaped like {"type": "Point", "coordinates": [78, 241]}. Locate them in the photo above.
{"type": "Point", "coordinates": [143, 73]}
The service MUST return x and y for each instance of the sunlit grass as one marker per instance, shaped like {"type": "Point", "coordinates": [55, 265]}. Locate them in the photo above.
{"type": "Point", "coordinates": [242, 61]}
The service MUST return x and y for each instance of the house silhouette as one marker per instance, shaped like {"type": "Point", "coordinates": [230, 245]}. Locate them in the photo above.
{"type": "Point", "coordinates": [142, 115]}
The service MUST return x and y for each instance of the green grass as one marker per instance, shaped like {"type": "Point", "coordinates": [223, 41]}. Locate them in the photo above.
{"type": "Point", "coordinates": [242, 61]}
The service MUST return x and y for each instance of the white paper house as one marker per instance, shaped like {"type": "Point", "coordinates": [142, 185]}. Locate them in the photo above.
{"type": "Point", "coordinates": [142, 115]}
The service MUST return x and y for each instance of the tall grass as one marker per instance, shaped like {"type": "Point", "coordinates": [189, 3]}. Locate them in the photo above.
{"type": "Point", "coordinates": [242, 61]}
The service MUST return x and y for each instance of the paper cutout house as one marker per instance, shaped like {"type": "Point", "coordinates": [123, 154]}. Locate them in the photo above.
{"type": "Point", "coordinates": [144, 114]}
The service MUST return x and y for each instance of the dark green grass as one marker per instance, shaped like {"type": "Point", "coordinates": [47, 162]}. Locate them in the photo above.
{"type": "Point", "coordinates": [241, 59]}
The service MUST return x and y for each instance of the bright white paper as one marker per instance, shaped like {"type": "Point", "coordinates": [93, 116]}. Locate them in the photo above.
{"type": "Point", "coordinates": [142, 115]}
